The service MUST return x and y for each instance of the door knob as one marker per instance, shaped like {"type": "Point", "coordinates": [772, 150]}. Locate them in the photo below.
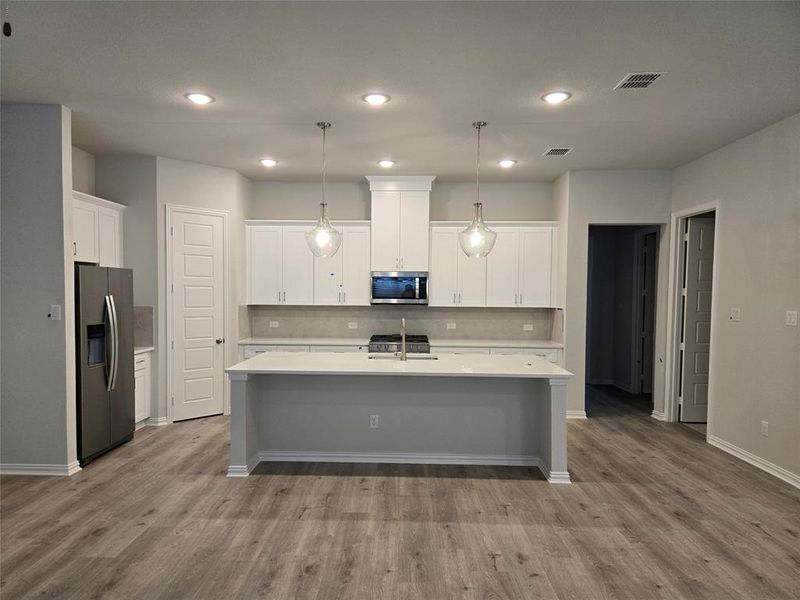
{"type": "Point", "coordinates": [220, 340]}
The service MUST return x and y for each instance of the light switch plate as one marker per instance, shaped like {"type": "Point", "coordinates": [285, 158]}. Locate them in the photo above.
{"type": "Point", "coordinates": [735, 315]}
{"type": "Point", "coordinates": [791, 318]}
{"type": "Point", "coordinates": [55, 312]}
{"type": "Point", "coordinates": [352, 325]}
{"type": "Point", "coordinates": [527, 327]}
{"type": "Point", "coordinates": [451, 325]}
{"type": "Point", "coordinates": [274, 324]}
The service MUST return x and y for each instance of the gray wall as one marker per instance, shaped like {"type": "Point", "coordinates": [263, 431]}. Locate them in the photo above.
{"type": "Point", "coordinates": [38, 355]}
{"type": "Point", "coordinates": [449, 201]}
{"type": "Point", "coordinates": [611, 198]}
{"type": "Point", "coordinates": [755, 363]}
{"type": "Point", "coordinates": [321, 321]}
{"type": "Point", "coordinates": [82, 171]}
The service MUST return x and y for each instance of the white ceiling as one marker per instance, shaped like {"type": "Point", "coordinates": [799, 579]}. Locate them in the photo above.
{"type": "Point", "coordinates": [277, 68]}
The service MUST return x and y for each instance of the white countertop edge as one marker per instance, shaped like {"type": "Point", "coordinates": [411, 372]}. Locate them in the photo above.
{"type": "Point", "coordinates": [142, 349]}
{"type": "Point", "coordinates": [398, 373]}
{"type": "Point", "coordinates": [435, 342]}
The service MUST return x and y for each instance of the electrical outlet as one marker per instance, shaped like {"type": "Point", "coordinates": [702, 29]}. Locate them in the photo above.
{"type": "Point", "coordinates": [55, 312]}
{"type": "Point", "coordinates": [274, 324]}
{"type": "Point", "coordinates": [451, 325]}
{"type": "Point", "coordinates": [791, 318]}
{"type": "Point", "coordinates": [765, 428]}
{"type": "Point", "coordinates": [527, 327]}
{"type": "Point", "coordinates": [735, 315]}
{"type": "Point", "coordinates": [373, 422]}
{"type": "Point", "coordinates": [352, 325]}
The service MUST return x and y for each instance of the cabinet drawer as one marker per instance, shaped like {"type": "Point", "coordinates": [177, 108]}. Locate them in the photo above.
{"type": "Point", "coordinates": [140, 362]}
{"type": "Point", "coordinates": [251, 351]}
{"type": "Point", "coordinates": [459, 350]}
{"type": "Point", "coordinates": [339, 348]}
{"type": "Point", "coordinates": [291, 348]}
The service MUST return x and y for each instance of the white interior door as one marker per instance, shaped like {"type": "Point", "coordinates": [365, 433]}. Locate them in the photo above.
{"type": "Point", "coordinates": [355, 266]}
{"type": "Point", "coordinates": [264, 260]}
{"type": "Point", "coordinates": [444, 267]}
{"type": "Point", "coordinates": [414, 230]}
{"type": "Point", "coordinates": [385, 231]}
{"type": "Point", "coordinates": [198, 326]}
{"type": "Point", "coordinates": [298, 267]}
{"type": "Point", "coordinates": [535, 267]}
{"type": "Point", "coordinates": [697, 319]}
{"type": "Point", "coordinates": [502, 270]}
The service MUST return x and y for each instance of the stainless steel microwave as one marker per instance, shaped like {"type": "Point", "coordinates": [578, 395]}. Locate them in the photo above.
{"type": "Point", "coordinates": [399, 287]}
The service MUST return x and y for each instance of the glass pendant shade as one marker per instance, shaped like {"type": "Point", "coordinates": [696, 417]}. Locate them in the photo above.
{"type": "Point", "coordinates": [477, 240]}
{"type": "Point", "coordinates": [324, 240]}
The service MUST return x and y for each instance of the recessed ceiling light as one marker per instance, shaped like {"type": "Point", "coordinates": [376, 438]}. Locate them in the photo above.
{"type": "Point", "coordinates": [268, 162]}
{"type": "Point", "coordinates": [386, 163]}
{"type": "Point", "coordinates": [375, 99]}
{"type": "Point", "coordinates": [556, 97]}
{"type": "Point", "coordinates": [507, 163]}
{"type": "Point", "coordinates": [199, 98]}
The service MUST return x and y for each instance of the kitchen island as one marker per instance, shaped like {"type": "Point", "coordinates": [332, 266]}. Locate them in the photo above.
{"type": "Point", "coordinates": [355, 407]}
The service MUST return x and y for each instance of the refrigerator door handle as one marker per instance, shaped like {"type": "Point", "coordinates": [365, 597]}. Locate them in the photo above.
{"type": "Point", "coordinates": [109, 345]}
{"type": "Point", "coordinates": [115, 330]}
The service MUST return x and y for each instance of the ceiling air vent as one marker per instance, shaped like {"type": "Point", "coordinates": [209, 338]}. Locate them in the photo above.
{"type": "Point", "coordinates": [557, 151]}
{"type": "Point", "coordinates": [637, 81]}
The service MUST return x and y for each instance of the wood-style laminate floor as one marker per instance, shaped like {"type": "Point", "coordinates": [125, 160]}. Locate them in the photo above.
{"type": "Point", "coordinates": [654, 513]}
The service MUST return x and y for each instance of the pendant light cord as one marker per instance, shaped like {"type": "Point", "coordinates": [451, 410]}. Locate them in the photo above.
{"type": "Point", "coordinates": [324, 126]}
{"type": "Point", "coordinates": [478, 125]}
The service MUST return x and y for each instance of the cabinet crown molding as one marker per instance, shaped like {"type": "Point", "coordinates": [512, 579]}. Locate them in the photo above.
{"type": "Point", "coordinates": [389, 183]}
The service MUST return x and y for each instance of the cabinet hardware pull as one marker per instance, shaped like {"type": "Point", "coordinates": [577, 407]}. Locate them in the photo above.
{"type": "Point", "coordinates": [515, 298]}
{"type": "Point", "coordinates": [284, 297]}
{"type": "Point", "coordinates": [340, 298]}
{"type": "Point", "coordinates": [344, 296]}
{"type": "Point", "coordinates": [74, 248]}
{"type": "Point", "coordinates": [279, 296]}
{"type": "Point", "coordinates": [454, 298]}
{"type": "Point", "coordinates": [459, 297]}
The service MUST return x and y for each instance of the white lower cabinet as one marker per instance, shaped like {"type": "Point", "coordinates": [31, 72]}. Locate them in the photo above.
{"type": "Point", "coordinates": [459, 350]}
{"type": "Point", "coordinates": [142, 379]}
{"type": "Point", "coordinates": [340, 348]}
{"type": "Point", "coordinates": [551, 354]}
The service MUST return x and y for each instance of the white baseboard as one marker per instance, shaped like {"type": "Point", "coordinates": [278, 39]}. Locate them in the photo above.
{"type": "Point", "coordinates": [554, 476]}
{"type": "Point", "coordinates": [244, 470]}
{"type": "Point", "coordinates": [658, 415]}
{"type": "Point", "coordinates": [576, 414]}
{"type": "Point", "coordinates": [156, 421]}
{"type": "Point", "coordinates": [756, 461]}
{"type": "Point", "coordinates": [39, 469]}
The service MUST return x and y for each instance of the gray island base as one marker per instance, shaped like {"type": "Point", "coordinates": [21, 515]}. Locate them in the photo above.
{"type": "Point", "coordinates": [459, 409]}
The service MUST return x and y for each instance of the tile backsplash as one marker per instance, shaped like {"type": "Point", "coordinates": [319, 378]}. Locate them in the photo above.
{"type": "Point", "coordinates": [143, 326]}
{"type": "Point", "coordinates": [333, 321]}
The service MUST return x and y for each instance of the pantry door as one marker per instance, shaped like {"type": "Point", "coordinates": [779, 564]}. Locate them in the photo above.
{"type": "Point", "coordinates": [197, 300]}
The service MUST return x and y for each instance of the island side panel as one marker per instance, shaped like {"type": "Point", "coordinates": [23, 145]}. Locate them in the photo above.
{"type": "Point", "coordinates": [553, 431]}
{"type": "Point", "coordinates": [245, 442]}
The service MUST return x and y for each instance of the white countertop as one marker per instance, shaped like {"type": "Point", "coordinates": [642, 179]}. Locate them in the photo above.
{"type": "Point", "coordinates": [461, 365]}
{"type": "Point", "coordinates": [142, 349]}
{"type": "Point", "coordinates": [440, 342]}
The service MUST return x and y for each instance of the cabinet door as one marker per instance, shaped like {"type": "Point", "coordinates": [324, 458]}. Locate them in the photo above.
{"type": "Point", "coordinates": [140, 395]}
{"type": "Point", "coordinates": [443, 281]}
{"type": "Point", "coordinates": [471, 279]}
{"type": "Point", "coordinates": [109, 237]}
{"type": "Point", "coordinates": [84, 231]}
{"type": "Point", "coordinates": [535, 266]}
{"type": "Point", "coordinates": [264, 264]}
{"type": "Point", "coordinates": [298, 267]}
{"type": "Point", "coordinates": [355, 266]}
{"type": "Point", "coordinates": [328, 277]}
{"type": "Point", "coordinates": [502, 270]}
{"type": "Point", "coordinates": [414, 230]}
{"type": "Point", "coordinates": [385, 231]}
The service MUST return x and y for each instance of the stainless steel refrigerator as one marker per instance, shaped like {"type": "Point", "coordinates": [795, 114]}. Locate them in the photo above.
{"type": "Point", "coordinates": [104, 337]}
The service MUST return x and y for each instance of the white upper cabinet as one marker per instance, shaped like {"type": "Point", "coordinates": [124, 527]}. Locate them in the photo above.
{"type": "Point", "coordinates": [521, 269]}
{"type": "Point", "coordinates": [96, 230]}
{"type": "Point", "coordinates": [282, 270]}
{"type": "Point", "coordinates": [455, 278]}
{"type": "Point", "coordinates": [280, 266]}
{"type": "Point", "coordinates": [344, 277]}
{"type": "Point", "coordinates": [400, 222]}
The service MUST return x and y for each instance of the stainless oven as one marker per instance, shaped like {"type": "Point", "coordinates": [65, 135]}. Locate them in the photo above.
{"type": "Point", "coordinates": [399, 287]}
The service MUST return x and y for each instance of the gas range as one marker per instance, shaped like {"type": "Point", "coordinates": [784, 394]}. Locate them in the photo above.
{"type": "Point", "coordinates": [392, 343]}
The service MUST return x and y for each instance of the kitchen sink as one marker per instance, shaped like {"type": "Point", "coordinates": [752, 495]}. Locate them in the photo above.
{"type": "Point", "coordinates": [408, 356]}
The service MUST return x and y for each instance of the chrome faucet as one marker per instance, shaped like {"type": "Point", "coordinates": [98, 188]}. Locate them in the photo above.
{"type": "Point", "coordinates": [403, 339]}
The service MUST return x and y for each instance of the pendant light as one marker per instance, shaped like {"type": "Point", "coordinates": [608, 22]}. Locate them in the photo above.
{"type": "Point", "coordinates": [324, 240]}
{"type": "Point", "coordinates": [477, 240]}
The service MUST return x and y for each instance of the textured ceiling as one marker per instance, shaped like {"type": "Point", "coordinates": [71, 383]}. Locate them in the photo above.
{"type": "Point", "coordinates": [277, 68]}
